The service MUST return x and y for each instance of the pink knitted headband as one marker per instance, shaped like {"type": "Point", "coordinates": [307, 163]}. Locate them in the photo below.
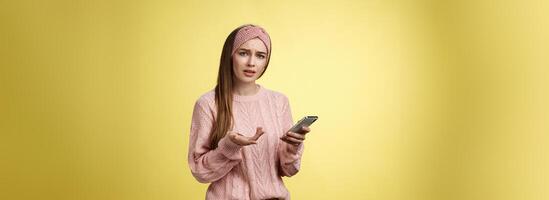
{"type": "Point", "coordinates": [250, 32]}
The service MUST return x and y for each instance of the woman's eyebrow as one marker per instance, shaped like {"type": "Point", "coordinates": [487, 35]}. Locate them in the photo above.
{"type": "Point", "coordinates": [250, 50]}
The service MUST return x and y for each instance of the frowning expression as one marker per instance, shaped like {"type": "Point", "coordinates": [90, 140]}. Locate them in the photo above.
{"type": "Point", "coordinates": [250, 60]}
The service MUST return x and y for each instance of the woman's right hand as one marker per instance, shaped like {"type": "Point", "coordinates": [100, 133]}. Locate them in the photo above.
{"type": "Point", "coordinates": [243, 140]}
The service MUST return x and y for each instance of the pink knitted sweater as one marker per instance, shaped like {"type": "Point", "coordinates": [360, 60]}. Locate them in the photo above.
{"type": "Point", "coordinates": [244, 172]}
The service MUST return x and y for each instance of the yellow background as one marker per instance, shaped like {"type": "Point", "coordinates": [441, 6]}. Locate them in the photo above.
{"type": "Point", "coordinates": [417, 99]}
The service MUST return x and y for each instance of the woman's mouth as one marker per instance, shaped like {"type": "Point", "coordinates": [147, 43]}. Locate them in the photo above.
{"type": "Point", "coordinates": [249, 73]}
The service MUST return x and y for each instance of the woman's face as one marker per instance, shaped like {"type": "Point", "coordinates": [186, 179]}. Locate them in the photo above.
{"type": "Point", "coordinates": [249, 61]}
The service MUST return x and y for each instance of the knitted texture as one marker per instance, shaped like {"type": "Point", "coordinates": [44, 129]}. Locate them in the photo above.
{"type": "Point", "coordinates": [250, 32]}
{"type": "Point", "coordinates": [244, 172]}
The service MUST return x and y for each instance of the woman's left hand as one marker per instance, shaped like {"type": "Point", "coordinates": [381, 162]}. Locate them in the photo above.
{"type": "Point", "coordinates": [295, 138]}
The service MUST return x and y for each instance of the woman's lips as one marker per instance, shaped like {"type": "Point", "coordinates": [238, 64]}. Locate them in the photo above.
{"type": "Point", "coordinates": [249, 73]}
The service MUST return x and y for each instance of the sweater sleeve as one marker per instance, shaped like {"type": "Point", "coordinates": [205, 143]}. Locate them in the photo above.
{"type": "Point", "coordinates": [289, 155]}
{"type": "Point", "coordinates": [209, 165]}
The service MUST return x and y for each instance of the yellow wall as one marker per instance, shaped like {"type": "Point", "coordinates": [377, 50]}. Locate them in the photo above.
{"type": "Point", "coordinates": [417, 99]}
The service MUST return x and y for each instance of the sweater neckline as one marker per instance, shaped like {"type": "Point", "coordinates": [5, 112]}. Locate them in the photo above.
{"type": "Point", "coordinates": [256, 96]}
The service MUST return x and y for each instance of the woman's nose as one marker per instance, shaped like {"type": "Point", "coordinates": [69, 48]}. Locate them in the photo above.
{"type": "Point", "coordinates": [251, 61]}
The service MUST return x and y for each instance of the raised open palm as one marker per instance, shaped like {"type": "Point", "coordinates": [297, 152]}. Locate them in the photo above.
{"type": "Point", "coordinates": [243, 140]}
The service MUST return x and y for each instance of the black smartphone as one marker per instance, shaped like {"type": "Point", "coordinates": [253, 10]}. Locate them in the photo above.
{"type": "Point", "coordinates": [305, 121]}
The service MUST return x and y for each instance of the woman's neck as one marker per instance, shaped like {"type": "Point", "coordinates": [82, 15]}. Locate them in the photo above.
{"type": "Point", "coordinates": [246, 89]}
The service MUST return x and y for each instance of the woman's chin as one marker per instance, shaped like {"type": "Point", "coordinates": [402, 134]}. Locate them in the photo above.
{"type": "Point", "coordinates": [247, 79]}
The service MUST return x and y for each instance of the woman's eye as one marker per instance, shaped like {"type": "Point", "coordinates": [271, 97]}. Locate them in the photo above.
{"type": "Point", "coordinates": [261, 56]}
{"type": "Point", "coordinates": [242, 53]}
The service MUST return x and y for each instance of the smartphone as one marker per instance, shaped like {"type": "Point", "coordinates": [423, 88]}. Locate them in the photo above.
{"type": "Point", "coordinates": [305, 121]}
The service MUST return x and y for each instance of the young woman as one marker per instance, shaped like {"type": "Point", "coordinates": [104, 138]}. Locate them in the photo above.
{"type": "Point", "coordinates": [239, 141]}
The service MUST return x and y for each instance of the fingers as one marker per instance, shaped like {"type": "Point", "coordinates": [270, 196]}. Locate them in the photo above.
{"type": "Point", "coordinates": [296, 135]}
{"type": "Point", "coordinates": [248, 142]}
{"type": "Point", "coordinates": [293, 138]}
{"type": "Point", "coordinates": [239, 138]}
{"type": "Point", "coordinates": [285, 139]}
{"type": "Point", "coordinates": [243, 140]}
{"type": "Point", "coordinates": [258, 133]}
